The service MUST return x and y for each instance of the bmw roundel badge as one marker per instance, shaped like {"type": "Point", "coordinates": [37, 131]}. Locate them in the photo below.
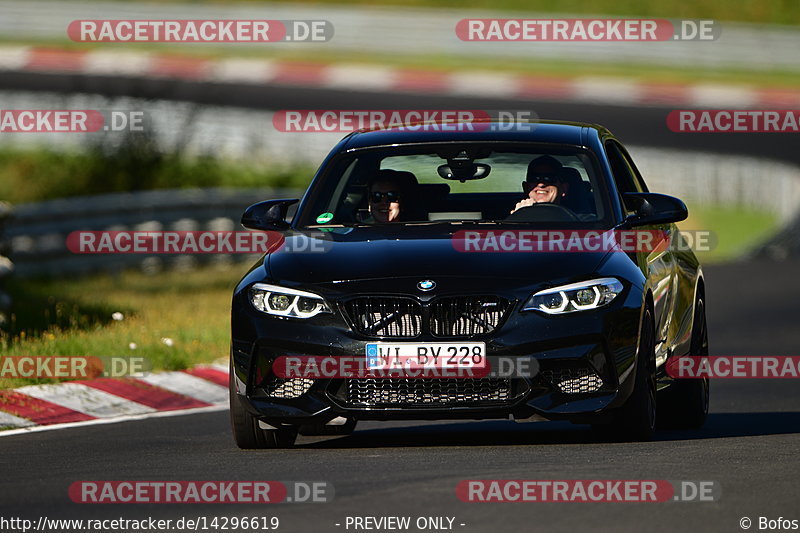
{"type": "Point", "coordinates": [426, 285]}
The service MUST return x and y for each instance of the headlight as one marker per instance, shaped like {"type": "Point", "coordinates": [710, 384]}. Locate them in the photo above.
{"type": "Point", "coordinates": [282, 301]}
{"type": "Point", "coordinates": [574, 297]}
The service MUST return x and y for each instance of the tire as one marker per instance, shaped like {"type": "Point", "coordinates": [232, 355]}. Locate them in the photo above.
{"type": "Point", "coordinates": [685, 403]}
{"type": "Point", "coordinates": [319, 430]}
{"type": "Point", "coordinates": [247, 434]}
{"type": "Point", "coordinates": [636, 419]}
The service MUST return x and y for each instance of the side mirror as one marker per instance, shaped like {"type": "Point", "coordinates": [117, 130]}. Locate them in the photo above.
{"type": "Point", "coordinates": [269, 215]}
{"type": "Point", "coordinates": [654, 208]}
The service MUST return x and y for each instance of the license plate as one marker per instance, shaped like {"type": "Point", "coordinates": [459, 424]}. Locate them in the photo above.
{"type": "Point", "coordinates": [433, 355]}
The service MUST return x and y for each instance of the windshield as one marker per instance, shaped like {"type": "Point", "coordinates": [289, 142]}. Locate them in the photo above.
{"type": "Point", "coordinates": [550, 185]}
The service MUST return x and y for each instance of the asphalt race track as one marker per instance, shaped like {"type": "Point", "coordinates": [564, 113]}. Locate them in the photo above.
{"type": "Point", "coordinates": [749, 444]}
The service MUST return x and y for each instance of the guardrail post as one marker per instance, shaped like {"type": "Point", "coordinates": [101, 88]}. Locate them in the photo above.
{"type": "Point", "coordinates": [6, 266]}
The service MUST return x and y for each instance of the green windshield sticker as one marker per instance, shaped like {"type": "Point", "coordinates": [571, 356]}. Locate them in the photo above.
{"type": "Point", "coordinates": [324, 218]}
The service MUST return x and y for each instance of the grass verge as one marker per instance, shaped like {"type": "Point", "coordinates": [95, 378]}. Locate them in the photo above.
{"type": "Point", "coordinates": [763, 11]}
{"type": "Point", "coordinates": [33, 175]}
{"type": "Point", "coordinates": [191, 309]}
{"type": "Point", "coordinates": [735, 230]}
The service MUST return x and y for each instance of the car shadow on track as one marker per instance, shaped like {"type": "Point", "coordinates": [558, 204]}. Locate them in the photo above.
{"type": "Point", "coordinates": [502, 433]}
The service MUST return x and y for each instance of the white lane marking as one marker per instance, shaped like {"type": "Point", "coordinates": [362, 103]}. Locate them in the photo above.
{"type": "Point", "coordinates": [84, 399]}
{"type": "Point", "coordinates": [130, 63]}
{"type": "Point", "coordinates": [721, 96]}
{"type": "Point", "coordinates": [602, 90]}
{"type": "Point", "coordinates": [608, 90]}
{"type": "Point", "coordinates": [243, 70]}
{"type": "Point", "coordinates": [7, 419]}
{"type": "Point", "coordinates": [188, 385]}
{"type": "Point", "coordinates": [126, 418]}
{"type": "Point", "coordinates": [367, 77]}
{"type": "Point", "coordinates": [483, 83]}
{"type": "Point", "coordinates": [222, 367]}
{"type": "Point", "coordinates": [14, 57]}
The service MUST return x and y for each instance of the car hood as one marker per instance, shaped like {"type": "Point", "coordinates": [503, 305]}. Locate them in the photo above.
{"type": "Point", "coordinates": [370, 253]}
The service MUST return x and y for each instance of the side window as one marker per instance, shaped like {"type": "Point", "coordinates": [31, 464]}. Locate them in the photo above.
{"type": "Point", "coordinates": [623, 175]}
{"type": "Point", "coordinates": [637, 177]}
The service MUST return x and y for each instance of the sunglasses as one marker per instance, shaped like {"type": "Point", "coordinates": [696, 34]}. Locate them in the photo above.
{"type": "Point", "coordinates": [391, 196]}
{"type": "Point", "coordinates": [546, 179]}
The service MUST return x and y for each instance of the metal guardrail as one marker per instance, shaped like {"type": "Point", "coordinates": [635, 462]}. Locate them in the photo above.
{"type": "Point", "coordinates": [382, 29]}
{"type": "Point", "coordinates": [710, 179]}
{"type": "Point", "coordinates": [248, 135]}
{"type": "Point", "coordinates": [38, 232]}
{"type": "Point", "coordinates": [6, 266]}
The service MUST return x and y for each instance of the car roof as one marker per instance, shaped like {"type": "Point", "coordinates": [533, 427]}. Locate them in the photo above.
{"type": "Point", "coordinates": [574, 133]}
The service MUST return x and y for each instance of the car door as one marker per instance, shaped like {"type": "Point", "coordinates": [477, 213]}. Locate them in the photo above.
{"type": "Point", "coordinates": [660, 262]}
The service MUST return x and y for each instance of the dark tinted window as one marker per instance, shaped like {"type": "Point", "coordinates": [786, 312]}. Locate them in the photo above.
{"type": "Point", "coordinates": [344, 194]}
{"type": "Point", "coordinates": [624, 176]}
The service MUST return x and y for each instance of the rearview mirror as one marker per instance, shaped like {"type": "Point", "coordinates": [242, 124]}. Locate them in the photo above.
{"type": "Point", "coordinates": [653, 208]}
{"type": "Point", "coordinates": [269, 215]}
{"type": "Point", "coordinates": [464, 172]}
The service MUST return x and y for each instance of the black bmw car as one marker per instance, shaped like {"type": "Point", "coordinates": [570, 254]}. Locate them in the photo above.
{"type": "Point", "coordinates": [424, 247]}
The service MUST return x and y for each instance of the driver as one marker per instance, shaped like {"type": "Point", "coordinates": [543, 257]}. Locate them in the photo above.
{"type": "Point", "coordinates": [389, 194]}
{"type": "Point", "coordinates": [543, 183]}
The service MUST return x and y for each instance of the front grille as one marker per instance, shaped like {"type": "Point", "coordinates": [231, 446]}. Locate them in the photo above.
{"type": "Point", "coordinates": [427, 392]}
{"type": "Point", "coordinates": [452, 316]}
{"type": "Point", "coordinates": [276, 387]}
{"type": "Point", "coordinates": [466, 315]}
{"type": "Point", "coordinates": [385, 317]}
{"type": "Point", "coordinates": [573, 380]}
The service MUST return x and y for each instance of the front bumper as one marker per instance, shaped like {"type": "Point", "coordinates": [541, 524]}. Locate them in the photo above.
{"type": "Point", "coordinates": [602, 341]}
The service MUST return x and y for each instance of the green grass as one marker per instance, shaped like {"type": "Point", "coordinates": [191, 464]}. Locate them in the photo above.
{"type": "Point", "coordinates": [54, 317]}
{"type": "Point", "coordinates": [764, 11]}
{"type": "Point", "coordinates": [40, 174]}
{"type": "Point", "coordinates": [736, 230]}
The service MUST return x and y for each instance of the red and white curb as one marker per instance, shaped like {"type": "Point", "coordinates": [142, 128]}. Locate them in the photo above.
{"type": "Point", "coordinates": [104, 400]}
{"type": "Point", "coordinates": [491, 84]}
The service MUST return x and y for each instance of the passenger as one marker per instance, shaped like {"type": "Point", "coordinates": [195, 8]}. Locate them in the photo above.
{"type": "Point", "coordinates": [543, 183]}
{"type": "Point", "coordinates": [389, 194]}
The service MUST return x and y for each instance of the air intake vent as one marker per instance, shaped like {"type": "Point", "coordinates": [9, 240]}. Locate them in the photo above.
{"type": "Point", "coordinates": [574, 380]}
{"type": "Point", "coordinates": [276, 387]}
{"type": "Point", "coordinates": [423, 392]}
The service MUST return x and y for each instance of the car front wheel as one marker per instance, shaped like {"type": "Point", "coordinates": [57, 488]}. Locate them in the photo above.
{"type": "Point", "coordinates": [636, 419]}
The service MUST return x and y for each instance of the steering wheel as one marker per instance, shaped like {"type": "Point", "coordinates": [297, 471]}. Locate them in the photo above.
{"type": "Point", "coordinates": [543, 212]}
